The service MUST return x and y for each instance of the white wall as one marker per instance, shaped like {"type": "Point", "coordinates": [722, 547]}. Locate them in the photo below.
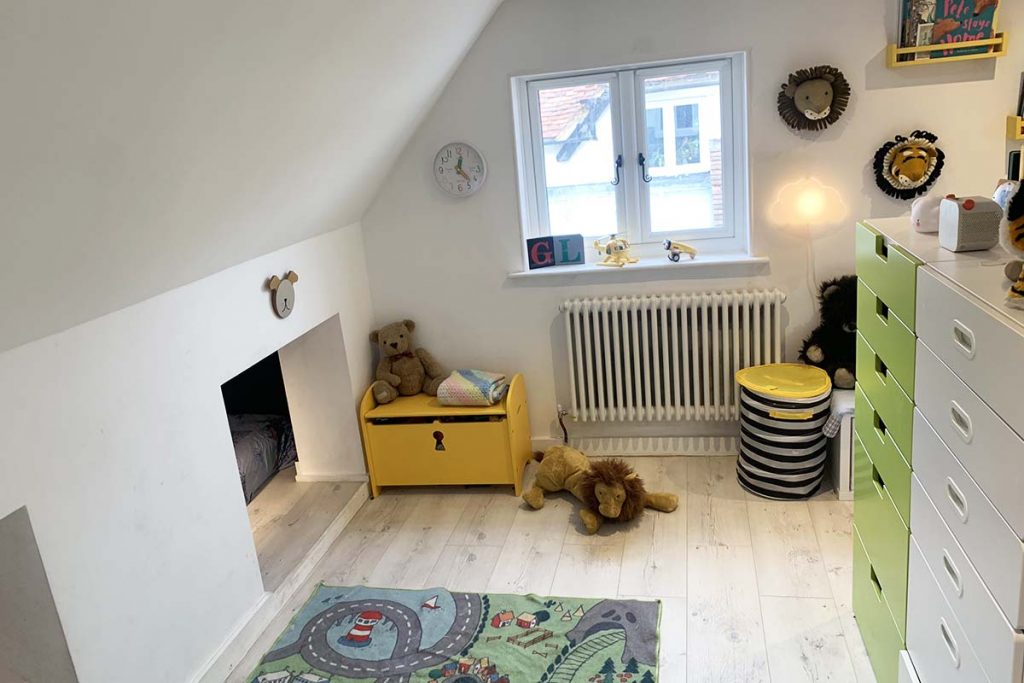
{"type": "Point", "coordinates": [148, 144]}
{"type": "Point", "coordinates": [444, 261]}
{"type": "Point", "coordinates": [116, 439]}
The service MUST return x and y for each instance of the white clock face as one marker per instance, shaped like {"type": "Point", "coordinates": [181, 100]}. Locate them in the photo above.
{"type": "Point", "coordinates": [459, 169]}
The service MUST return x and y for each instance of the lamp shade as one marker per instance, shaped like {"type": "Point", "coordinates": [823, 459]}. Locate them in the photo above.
{"type": "Point", "coordinates": [807, 202]}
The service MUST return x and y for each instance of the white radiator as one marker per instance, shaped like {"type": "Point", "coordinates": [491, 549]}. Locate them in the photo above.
{"type": "Point", "coordinates": [667, 357]}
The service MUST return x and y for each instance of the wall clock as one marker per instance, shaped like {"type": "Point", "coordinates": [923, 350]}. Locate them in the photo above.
{"type": "Point", "coordinates": [459, 169]}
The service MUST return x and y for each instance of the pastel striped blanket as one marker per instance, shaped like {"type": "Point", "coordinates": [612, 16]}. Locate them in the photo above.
{"type": "Point", "coordinates": [472, 388]}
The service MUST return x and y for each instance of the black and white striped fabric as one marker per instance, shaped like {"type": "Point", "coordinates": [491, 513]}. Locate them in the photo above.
{"type": "Point", "coordinates": [782, 457]}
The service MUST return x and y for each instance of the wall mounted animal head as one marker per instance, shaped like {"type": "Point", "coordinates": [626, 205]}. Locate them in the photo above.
{"type": "Point", "coordinates": [814, 98]}
{"type": "Point", "coordinates": [283, 293]}
{"type": "Point", "coordinates": [906, 167]}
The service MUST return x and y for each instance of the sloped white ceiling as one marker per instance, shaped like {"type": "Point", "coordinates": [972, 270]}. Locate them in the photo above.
{"type": "Point", "coordinates": [144, 145]}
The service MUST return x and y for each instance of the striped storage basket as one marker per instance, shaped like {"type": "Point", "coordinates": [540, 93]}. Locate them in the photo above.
{"type": "Point", "coordinates": [783, 409]}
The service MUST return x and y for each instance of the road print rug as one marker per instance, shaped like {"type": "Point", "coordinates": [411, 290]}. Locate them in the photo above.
{"type": "Point", "coordinates": [358, 634]}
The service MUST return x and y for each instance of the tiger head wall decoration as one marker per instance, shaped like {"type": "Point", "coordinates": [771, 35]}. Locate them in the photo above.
{"type": "Point", "coordinates": [906, 167]}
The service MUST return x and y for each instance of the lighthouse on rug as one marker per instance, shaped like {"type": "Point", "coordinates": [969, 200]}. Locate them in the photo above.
{"type": "Point", "coordinates": [360, 634]}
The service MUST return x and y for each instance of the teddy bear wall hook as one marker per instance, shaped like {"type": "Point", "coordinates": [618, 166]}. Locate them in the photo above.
{"type": "Point", "coordinates": [282, 292]}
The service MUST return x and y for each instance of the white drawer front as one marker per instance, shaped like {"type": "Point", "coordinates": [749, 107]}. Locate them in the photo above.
{"type": "Point", "coordinates": [907, 672]}
{"type": "Point", "coordinates": [979, 347]}
{"type": "Point", "coordinates": [994, 549]}
{"type": "Point", "coordinates": [936, 642]}
{"type": "Point", "coordinates": [987, 448]}
{"type": "Point", "coordinates": [1000, 649]}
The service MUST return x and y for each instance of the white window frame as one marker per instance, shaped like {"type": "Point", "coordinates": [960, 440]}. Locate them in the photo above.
{"type": "Point", "coordinates": [632, 195]}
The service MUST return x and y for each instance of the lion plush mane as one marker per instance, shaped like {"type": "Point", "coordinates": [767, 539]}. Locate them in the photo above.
{"type": "Point", "coordinates": [613, 472]}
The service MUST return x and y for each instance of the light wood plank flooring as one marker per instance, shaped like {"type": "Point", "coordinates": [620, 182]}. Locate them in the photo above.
{"type": "Point", "coordinates": [752, 590]}
{"type": "Point", "coordinates": [287, 517]}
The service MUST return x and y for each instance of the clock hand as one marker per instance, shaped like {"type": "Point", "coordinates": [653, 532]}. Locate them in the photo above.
{"type": "Point", "coordinates": [462, 173]}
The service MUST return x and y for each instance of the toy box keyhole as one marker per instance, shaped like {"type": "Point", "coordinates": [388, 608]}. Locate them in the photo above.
{"type": "Point", "coordinates": [439, 441]}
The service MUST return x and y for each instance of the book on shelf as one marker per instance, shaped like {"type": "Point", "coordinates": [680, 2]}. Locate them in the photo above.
{"type": "Point", "coordinates": [946, 22]}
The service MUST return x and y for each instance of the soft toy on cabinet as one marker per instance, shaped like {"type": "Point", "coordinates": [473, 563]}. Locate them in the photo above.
{"type": "Point", "coordinates": [1011, 236]}
{"type": "Point", "coordinates": [832, 346]}
{"type": "Point", "coordinates": [403, 370]}
{"type": "Point", "coordinates": [609, 489]}
{"type": "Point", "coordinates": [924, 213]}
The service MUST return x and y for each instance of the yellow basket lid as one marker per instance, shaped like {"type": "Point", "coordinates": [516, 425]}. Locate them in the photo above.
{"type": "Point", "coordinates": [785, 380]}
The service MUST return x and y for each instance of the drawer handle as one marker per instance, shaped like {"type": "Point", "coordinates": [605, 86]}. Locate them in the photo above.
{"type": "Point", "coordinates": [961, 421]}
{"type": "Point", "coordinates": [880, 426]}
{"type": "Point", "coordinates": [963, 339]}
{"type": "Point", "coordinates": [881, 248]}
{"type": "Point", "coordinates": [952, 572]}
{"type": "Point", "coordinates": [956, 497]}
{"type": "Point", "coordinates": [882, 311]}
{"type": "Point", "coordinates": [881, 369]}
{"type": "Point", "coordinates": [438, 440]}
{"type": "Point", "coordinates": [950, 641]}
{"type": "Point", "coordinates": [876, 479]}
{"type": "Point", "coordinates": [876, 584]}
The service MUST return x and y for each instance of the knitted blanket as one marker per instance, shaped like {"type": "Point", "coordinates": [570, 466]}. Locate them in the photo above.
{"type": "Point", "coordinates": [472, 388]}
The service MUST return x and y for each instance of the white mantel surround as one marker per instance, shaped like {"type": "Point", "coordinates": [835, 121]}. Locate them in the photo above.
{"type": "Point", "coordinates": [114, 436]}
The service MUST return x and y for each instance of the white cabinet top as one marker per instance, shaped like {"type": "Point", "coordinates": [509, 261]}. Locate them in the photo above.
{"type": "Point", "coordinates": [925, 247]}
{"type": "Point", "coordinates": [978, 273]}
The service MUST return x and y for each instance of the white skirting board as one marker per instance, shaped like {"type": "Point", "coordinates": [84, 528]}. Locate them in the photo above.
{"type": "Point", "coordinates": [632, 446]}
{"type": "Point", "coordinates": [313, 477]}
{"type": "Point", "coordinates": [255, 622]}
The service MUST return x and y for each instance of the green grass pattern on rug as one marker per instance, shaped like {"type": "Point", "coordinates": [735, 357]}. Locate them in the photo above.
{"type": "Point", "coordinates": [359, 634]}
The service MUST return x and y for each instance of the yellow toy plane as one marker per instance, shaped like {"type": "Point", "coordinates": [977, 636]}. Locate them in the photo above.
{"type": "Point", "coordinates": [676, 249]}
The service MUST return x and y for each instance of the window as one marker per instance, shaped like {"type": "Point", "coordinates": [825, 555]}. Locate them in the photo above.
{"type": "Point", "coordinates": [650, 152]}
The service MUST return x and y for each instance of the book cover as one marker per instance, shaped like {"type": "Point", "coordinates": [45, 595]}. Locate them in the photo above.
{"type": "Point", "coordinates": [940, 22]}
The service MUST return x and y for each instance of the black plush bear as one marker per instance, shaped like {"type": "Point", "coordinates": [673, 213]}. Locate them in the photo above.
{"type": "Point", "coordinates": [832, 346]}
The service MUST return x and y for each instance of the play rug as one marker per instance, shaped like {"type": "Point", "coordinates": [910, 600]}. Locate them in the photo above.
{"type": "Point", "coordinates": [345, 635]}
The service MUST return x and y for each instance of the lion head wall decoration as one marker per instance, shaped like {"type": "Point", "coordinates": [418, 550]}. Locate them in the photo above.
{"type": "Point", "coordinates": [906, 167]}
{"type": "Point", "coordinates": [814, 98]}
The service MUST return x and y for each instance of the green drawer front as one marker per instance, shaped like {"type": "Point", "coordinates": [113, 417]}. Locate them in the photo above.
{"type": "Point", "coordinates": [888, 271]}
{"type": "Point", "coordinates": [886, 395]}
{"type": "Point", "coordinates": [882, 639]}
{"type": "Point", "coordinates": [884, 454]}
{"type": "Point", "coordinates": [886, 538]}
{"type": "Point", "coordinates": [887, 335]}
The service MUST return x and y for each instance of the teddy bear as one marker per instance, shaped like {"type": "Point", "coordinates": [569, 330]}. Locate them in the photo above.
{"type": "Point", "coordinates": [832, 346]}
{"type": "Point", "coordinates": [403, 370]}
{"type": "Point", "coordinates": [609, 489]}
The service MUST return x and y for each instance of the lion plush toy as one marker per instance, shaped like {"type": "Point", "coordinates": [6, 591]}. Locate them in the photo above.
{"type": "Point", "coordinates": [403, 370]}
{"type": "Point", "coordinates": [609, 489]}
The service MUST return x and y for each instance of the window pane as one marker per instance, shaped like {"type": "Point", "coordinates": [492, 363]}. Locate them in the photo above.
{"type": "Point", "coordinates": [655, 137]}
{"type": "Point", "coordinates": [686, 190]}
{"type": "Point", "coordinates": [687, 134]}
{"type": "Point", "coordinates": [579, 156]}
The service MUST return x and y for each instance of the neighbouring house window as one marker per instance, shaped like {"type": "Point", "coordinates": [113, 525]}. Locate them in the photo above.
{"type": "Point", "coordinates": [678, 133]}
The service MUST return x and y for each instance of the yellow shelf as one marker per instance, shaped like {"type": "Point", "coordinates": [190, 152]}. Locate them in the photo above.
{"type": "Point", "coordinates": [1014, 128]}
{"type": "Point", "coordinates": [998, 46]}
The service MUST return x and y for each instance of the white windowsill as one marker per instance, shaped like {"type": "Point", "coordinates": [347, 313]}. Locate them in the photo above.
{"type": "Point", "coordinates": [710, 264]}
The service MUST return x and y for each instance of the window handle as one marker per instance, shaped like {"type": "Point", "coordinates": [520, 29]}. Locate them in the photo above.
{"type": "Point", "coordinates": [618, 165]}
{"type": "Point", "coordinates": [643, 168]}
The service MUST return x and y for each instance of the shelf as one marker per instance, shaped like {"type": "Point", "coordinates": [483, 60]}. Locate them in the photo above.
{"type": "Point", "coordinates": [1014, 128]}
{"type": "Point", "coordinates": [997, 47]}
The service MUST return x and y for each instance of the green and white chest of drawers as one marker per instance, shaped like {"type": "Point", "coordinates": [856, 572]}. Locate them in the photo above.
{"type": "Point", "coordinates": [939, 462]}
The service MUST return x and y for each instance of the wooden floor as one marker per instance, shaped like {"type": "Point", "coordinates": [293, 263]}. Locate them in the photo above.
{"type": "Point", "coordinates": [288, 517]}
{"type": "Point", "coordinates": [753, 590]}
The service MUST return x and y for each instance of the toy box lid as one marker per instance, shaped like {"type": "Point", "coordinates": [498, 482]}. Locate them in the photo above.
{"type": "Point", "coordinates": [785, 380]}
